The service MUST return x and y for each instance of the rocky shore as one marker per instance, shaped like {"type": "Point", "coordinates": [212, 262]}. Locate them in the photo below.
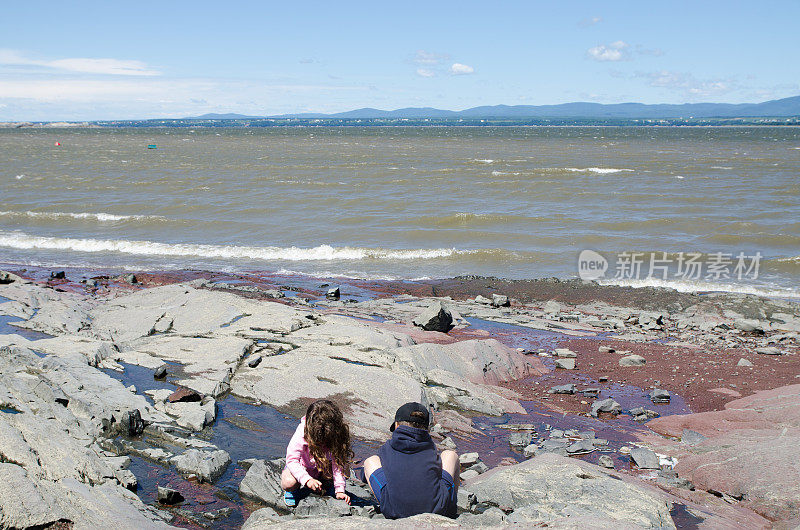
{"type": "Point", "coordinates": [157, 400]}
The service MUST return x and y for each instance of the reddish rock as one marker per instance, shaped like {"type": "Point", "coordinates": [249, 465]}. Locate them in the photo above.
{"type": "Point", "coordinates": [184, 395]}
{"type": "Point", "coordinates": [750, 451]}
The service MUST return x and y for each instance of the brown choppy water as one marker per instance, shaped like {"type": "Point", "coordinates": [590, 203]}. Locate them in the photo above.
{"type": "Point", "coordinates": [400, 202]}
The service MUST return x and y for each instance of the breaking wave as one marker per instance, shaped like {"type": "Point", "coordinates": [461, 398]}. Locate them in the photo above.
{"type": "Point", "coordinates": [19, 240]}
{"type": "Point", "coordinates": [691, 286]}
{"type": "Point", "coordinates": [101, 217]}
{"type": "Point", "coordinates": [598, 170]}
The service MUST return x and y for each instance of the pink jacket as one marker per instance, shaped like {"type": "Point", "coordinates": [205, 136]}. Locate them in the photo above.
{"type": "Point", "coordinates": [301, 464]}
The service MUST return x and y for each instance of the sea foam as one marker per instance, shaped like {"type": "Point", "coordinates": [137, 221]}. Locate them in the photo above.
{"type": "Point", "coordinates": [24, 241]}
{"type": "Point", "coordinates": [598, 170]}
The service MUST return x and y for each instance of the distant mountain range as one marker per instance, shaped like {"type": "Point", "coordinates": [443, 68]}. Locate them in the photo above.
{"type": "Point", "coordinates": [776, 108]}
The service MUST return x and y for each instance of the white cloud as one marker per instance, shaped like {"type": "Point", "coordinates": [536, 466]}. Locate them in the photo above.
{"type": "Point", "coordinates": [616, 51]}
{"type": "Point", "coordinates": [461, 69]}
{"type": "Point", "coordinates": [80, 64]}
{"type": "Point", "coordinates": [424, 72]}
{"type": "Point", "coordinates": [430, 58]}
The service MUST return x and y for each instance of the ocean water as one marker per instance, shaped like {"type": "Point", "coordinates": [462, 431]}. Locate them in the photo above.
{"type": "Point", "coordinates": [409, 203]}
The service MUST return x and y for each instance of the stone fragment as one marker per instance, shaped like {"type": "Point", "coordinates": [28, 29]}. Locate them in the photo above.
{"type": "Point", "coordinates": [254, 360]}
{"type": "Point", "coordinates": [607, 405]}
{"type": "Point", "coordinates": [744, 362]}
{"type": "Point", "coordinates": [580, 447]}
{"type": "Point", "coordinates": [435, 318]}
{"type": "Point", "coordinates": [747, 325]}
{"type": "Point", "coordinates": [565, 364]}
{"type": "Point", "coordinates": [468, 459]}
{"type": "Point", "coordinates": [565, 352]}
{"type": "Point", "coordinates": [632, 360]}
{"type": "Point", "coordinates": [208, 466]}
{"type": "Point", "coordinates": [658, 395]}
{"type": "Point", "coordinates": [169, 496]}
{"type": "Point", "coordinates": [333, 293]}
{"type": "Point", "coordinates": [160, 372]}
{"type": "Point", "coordinates": [500, 300]}
{"type": "Point", "coordinates": [520, 439]}
{"type": "Point", "coordinates": [606, 462]}
{"type": "Point", "coordinates": [132, 423]}
{"type": "Point", "coordinates": [184, 395]}
{"type": "Point", "coordinates": [606, 349]}
{"type": "Point", "coordinates": [644, 458]}
{"type": "Point", "coordinates": [562, 389]}
{"type": "Point", "coordinates": [769, 350]}
{"type": "Point", "coordinates": [551, 307]}
{"type": "Point", "coordinates": [483, 300]}
{"type": "Point", "coordinates": [58, 275]}
{"type": "Point", "coordinates": [529, 451]}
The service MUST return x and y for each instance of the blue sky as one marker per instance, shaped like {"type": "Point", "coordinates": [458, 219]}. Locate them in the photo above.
{"type": "Point", "coordinates": [105, 60]}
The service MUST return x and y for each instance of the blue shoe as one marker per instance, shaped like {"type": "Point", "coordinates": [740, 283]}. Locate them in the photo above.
{"type": "Point", "coordinates": [289, 499]}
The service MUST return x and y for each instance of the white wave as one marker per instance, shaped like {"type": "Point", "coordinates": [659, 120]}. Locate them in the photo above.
{"type": "Point", "coordinates": [679, 177]}
{"type": "Point", "coordinates": [101, 217]}
{"type": "Point", "coordinates": [598, 170]}
{"type": "Point", "coordinates": [23, 241]}
{"type": "Point", "coordinates": [721, 167]}
{"type": "Point", "coordinates": [793, 258]}
{"type": "Point", "coordinates": [483, 160]}
{"type": "Point", "coordinates": [19, 177]}
{"type": "Point", "coordinates": [500, 173]}
{"type": "Point", "coordinates": [691, 286]}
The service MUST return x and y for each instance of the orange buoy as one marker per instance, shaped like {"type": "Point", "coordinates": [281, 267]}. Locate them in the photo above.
{"type": "Point", "coordinates": [58, 144]}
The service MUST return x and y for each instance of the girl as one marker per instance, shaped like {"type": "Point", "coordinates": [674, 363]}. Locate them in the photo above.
{"type": "Point", "coordinates": [319, 451]}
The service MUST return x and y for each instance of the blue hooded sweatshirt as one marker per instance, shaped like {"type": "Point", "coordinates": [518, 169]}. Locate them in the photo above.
{"type": "Point", "coordinates": [413, 472]}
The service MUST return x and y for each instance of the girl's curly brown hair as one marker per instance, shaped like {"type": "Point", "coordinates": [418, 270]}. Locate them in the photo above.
{"type": "Point", "coordinates": [327, 431]}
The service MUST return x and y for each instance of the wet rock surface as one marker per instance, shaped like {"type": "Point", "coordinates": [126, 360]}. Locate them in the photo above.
{"type": "Point", "coordinates": [234, 350]}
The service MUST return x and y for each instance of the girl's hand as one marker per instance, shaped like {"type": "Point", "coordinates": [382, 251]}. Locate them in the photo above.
{"type": "Point", "coordinates": [314, 485]}
{"type": "Point", "coordinates": [343, 496]}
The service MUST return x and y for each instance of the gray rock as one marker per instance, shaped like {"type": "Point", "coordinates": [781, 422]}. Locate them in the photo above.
{"type": "Point", "coordinates": [132, 423]}
{"type": "Point", "coordinates": [469, 474]}
{"type": "Point", "coordinates": [6, 278]}
{"type": "Point", "coordinates": [748, 325]}
{"type": "Point", "coordinates": [529, 451]}
{"type": "Point", "coordinates": [169, 496]}
{"type": "Point", "coordinates": [550, 487]}
{"type": "Point", "coordinates": [262, 517]}
{"type": "Point", "coordinates": [254, 360]}
{"type": "Point", "coordinates": [557, 446]}
{"type": "Point", "coordinates": [262, 482]}
{"type": "Point", "coordinates": [769, 350]}
{"type": "Point", "coordinates": [500, 300]}
{"type": "Point", "coordinates": [466, 500]}
{"type": "Point", "coordinates": [606, 461]}
{"type": "Point", "coordinates": [580, 447]}
{"type": "Point", "coordinates": [744, 362]}
{"type": "Point", "coordinates": [160, 372]}
{"type": "Point", "coordinates": [551, 307]}
{"type": "Point", "coordinates": [316, 506]}
{"type": "Point", "coordinates": [480, 468]}
{"type": "Point", "coordinates": [644, 458]}
{"type": "Point", "coordinates": [565, 364]}
{"type": "Point", "coordinates": [448, 443]}
{"type": "Point", "coordinates": [658, 395]}
{"type": "Point", "coordinates": [131, 279]}
{"type": "Point", "coordinates": [435, 318]}
{"type": "Point", "coordinates": [606, 349]}
{"type": "Point", "coordinates": [606, 405]}
{"type": "Point", "coordinates": [632, 360]}
{"type": "Point", "coordinates": [333, 293]}
{"type": "Point", "coordinates": [58, 275]}
{"type": "Point", "coordinates": [483, 300]}
{"type": "Point", "coordinates": [563, 389]}
{"type": "Point", "coordinates": [208, 466]}
{"type": "Point", "coordinates": [565, 352]}
{"type": "Point", "coordinates": [520, 439]}
{"type": "Point", "coordinates": [468, 459]}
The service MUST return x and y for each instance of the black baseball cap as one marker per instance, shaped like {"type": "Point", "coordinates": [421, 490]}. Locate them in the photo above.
{"type": "Point", "coordinates": [404, 414]}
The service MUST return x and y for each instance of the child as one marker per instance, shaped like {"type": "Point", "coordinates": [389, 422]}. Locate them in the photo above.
{"type": "Point", "coordinates": [318, 452]}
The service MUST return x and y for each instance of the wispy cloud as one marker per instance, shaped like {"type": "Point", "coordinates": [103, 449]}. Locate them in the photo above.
{"type": "Point", "coordinates": [688, 84]}
{"type": "Point", "coordinates": [615, 51]}
{"type": "Point", "coordinates": [79, 64]}
{"type": "Point", "coordinates": [425, 72]}
{"type": "Point", "coordinates": [423, 57]}
{"type": "Point", "coordinates": [590, 21]}
{"type": "Point", "coordinates": [461, 69]}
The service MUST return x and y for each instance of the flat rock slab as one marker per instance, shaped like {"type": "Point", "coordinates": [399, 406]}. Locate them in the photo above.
{"type": "Point", "coordinates": [548, 487]}
{"type": "Point", "coordinates": [632, 360]}
{"type": "Point", "coordinates": [733, 448]}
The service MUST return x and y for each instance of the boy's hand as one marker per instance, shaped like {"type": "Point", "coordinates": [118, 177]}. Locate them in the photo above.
{"type": "Point", "coordinates": [314, 485]}
{"type": "Point", "coordinates": [343, 496]}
